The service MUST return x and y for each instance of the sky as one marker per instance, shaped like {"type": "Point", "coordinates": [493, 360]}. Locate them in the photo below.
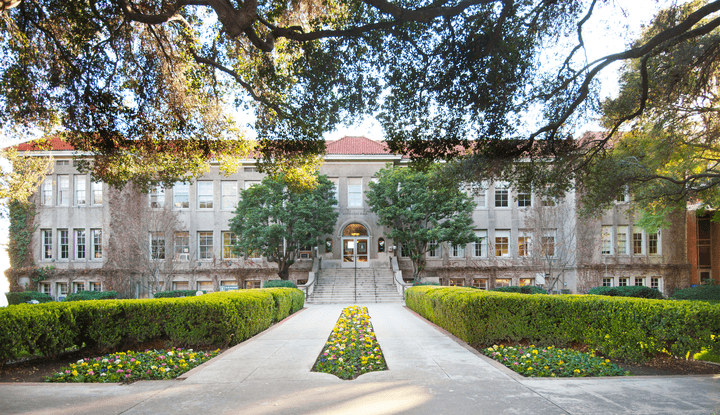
{"type": "Point", "coordinates": [610, 29]}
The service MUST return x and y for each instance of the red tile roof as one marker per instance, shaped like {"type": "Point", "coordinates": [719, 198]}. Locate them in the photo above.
{"type": "Point", "coordinates": [56, 143]}
{"type": "Point", "coordinates": [356, 146]}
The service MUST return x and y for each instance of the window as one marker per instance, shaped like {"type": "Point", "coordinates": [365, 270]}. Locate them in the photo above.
{"type": "Point", "coordinates": [433, 249]}
{"type": "Point", "coordinates": [63, 197]}
{"type": "Point", "coordinates": [622, 197]}
{"type": "Point", "coordinates": [46, 199]}
{"type": "Point", "coordinates": [229, 241]}
{"type": "Point", "coordinates": [251, 183]}
{"type": "Point", "coordinates": [478, 191]}
{"type": "Point", "coordinates": [205, 245]}
{"type": "Point", "coordinates": [97, 193]}
{"type": "Point", "coordinates": [480, 247]}
{"type": "Point", "coordinates": [502, 243]}
{"type": "Point", "coordinates": [623, 282]}
{"type": "Point", "coordinates": [157, 197]}
{"type": "Point", "coordinates": [607, 240]}
{"type": "Point", "coordinates": [79, 243]}
{"type": "Point", "coordinates": [548, 245]}
{"type": "Point", "coordinates": [206, 286]}
{"type": "Point", "coordinates": [524, 245]}
{"type": "Point", "coordinates": [336, 190]}
{"type": "Point", "coordinates": [381, 245]}
{"type": "Point", "coordinates": [80, 194]}
{"type": "Point", "coordinates": [354, 192]}
{"type": "Point", "coordinates": [78, 287]}
{"type": "Point", "coordinates": [527, 281]}
{"type": "Point", "coordinates": [228, 285]}
{"type": "Point", "coordinates": [250, 169]}
{"type": "Point", "coordinates": [501, 195]}
{"type": "Point", "coordinates": [607, 282]}
{"type": "Point", "coordinates": [638, 242]}
{"type": "Point", "coordinates": [655, 283]}
{"type": "Point", "coordinates": [480, 283]}
{"type": "Point", "coordinates": [157, 245]}
{"type": "Point", "coordinates": [180, 285]}
{"type": "Point", "coordinates": [47, 244]}
{"type": "Point", "coordinates": [182, 246]}
{"type": "Point", "coordinates": [181, 195]}
{"type": "Point", "coordinates": [653, 247]}
{"type": "Point", "coordinates": [329, 245]}
{"type": "Point", "coordinates": [502, 282]}
{"type": "Point", "coordinates": [639, 282]}
{"type": "Point", "coordinates": [61, 288]}
{"type": "Point", "coordinates": [458, 251]}
{"type": "Point", "coordinates": [252, 284]}
{"type": "Point", "coordinates": [96, 235]}
{"type": "Point", "coordinates": [622, 246]}
{"type": "Point", "coordinates": [229, 195]}
{"type": "Point", "coordinates": [44, 287]}
{"type": "Point", "coordinates": [95, 286]}
{"type": "Point", "coordinates": [524, 199]}
{"type": "Point", "coordinates": [64, 237]}
{"type": "Point", "coordinates": [457, 282]}
{"type": "Point", "coordinates": [62, 162]}
{"type": "Point", "coordinates": [205, 195]}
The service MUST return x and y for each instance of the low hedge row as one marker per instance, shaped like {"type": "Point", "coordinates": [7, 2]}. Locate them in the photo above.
{"type": "Point", "coordinates": [525, 289]}
{"type": "Point", "coordinates": [92, 295]}
{"type": "Point", "coordinates": [279, 283]}
{"type": "Point", "coordinates": [25, 296]}
{"type": "Point", "coordinates": [633, 329]}
{"type": "Point", "coordinates": [700, 292]}
{"type": "Point", "coordinates": [176, 293]}
{"type": "Point", "coordinates": [217, 320]}
{"type": "Point", "coordinates": [629, 291]}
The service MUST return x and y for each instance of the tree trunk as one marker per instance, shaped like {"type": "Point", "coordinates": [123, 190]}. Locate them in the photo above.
{"type": "Point", "coordinates": [283, 271]}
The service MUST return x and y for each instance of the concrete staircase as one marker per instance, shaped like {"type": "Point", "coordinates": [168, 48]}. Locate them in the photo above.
{"type": "Point", "coordinates": [337, 286]}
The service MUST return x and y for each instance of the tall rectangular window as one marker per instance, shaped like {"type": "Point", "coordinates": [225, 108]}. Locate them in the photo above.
{"type": "Point", "coordinates": [157, 197]}
{"type": "Point", "coordinates": [61, 288]}
{"type": "Point", "coordinates": [205, 245]}
{"type": "Point", "coordinates": [46, 199]}
{"type": "Point", "coordinates": [182, 246]}
{"type": "Point", "coordinates": [80, 193]}
{"type": "Point", "coordinates": [478, 191]}
{"type": "Point", "coordinates": [524, 199]}
{"type": "Point", "coordinates": [502, 243]}
{"type": "Point", "coordinates": [548, 244]}
{"type": "Point", "coordinates": [622, 235]}
{"type": "Point", "coordinates": [607, 240]}
{"type": "Point", "coordinates": [433, 249]}
{"type": "Point", "coordinates": [47, 244]}
{"type": "Point", "coordinates": [655, 283]}
{"type": "Point", "coordinates": [63, 189]}
{"type": "Point", "coordinates": [524, 245]}
{"type": "Point", "coordinates": [205, 195]}
{"type": "Point", "coordinates": [638, 242]}
{"type": "Point", "coordinates": [96, 235]}
{"type": "Point", "coordinates": [79, 243]}
{"type": "Point", "coordinates": [480, 247]}
{"type": "Point", "coordinates": [78, 287]}
{"type": "Point", "coordinates": [458, 251]}
{"type": "Point", "coordinates": [229, 241]}
{"type": "Point", "coordinates": [64, 237]}
{"type": "Point", "coordinates": [501, 195]}
{"type": "Point", "coordinates": [157, 245]}
{"type": "Point", "coordinates": [181, 195]}
{"type": "Point", "coordinates": [229, 195]}
{"type": "Point", "coordinates": [336, 189]}
{"type": "Point", "coordinates": [95, 286]}
{"type": "Point", "coordinates": [354, 191]}
{"type": "Point", "coordinates": [97, 193]}
{"type": "Point", "coordinates": [653, 246]}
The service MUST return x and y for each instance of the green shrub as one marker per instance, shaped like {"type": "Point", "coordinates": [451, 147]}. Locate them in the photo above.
{"type": "Point", "coordinates": [25, 296]}
{"type": "Point", "coordinates": [629, 291]}
{"type": "Point", "coordinates": [279, 283]}
{"type": "Point", "coordinates": [419, 284]}
{"type": "Point", "coordinates": [176, 293]}
{"type": "Point", "coordinates": [626, 328]}
{"type": "Point", "coordinates": [525, 289]}
{"type": "Point", "coordinates": [92, 295]}
{"type": "Point", "coordinates": [700, 292]}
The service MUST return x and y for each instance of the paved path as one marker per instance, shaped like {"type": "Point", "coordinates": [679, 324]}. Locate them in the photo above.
{"type": "Point", "coordinates": [429, 373]}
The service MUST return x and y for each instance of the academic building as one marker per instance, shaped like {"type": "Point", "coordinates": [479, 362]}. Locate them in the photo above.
{"type": "Point", "coordinates": [180, 237]}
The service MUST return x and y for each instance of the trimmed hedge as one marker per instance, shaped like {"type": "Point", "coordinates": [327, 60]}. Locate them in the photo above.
{"type": "Point", "coordinates": [279, 283]}
{"type": "Point", "coordinates": [700, 292]}
{"type": "Point", "coordinates": [92, 295]}
{"type": "Point", "coordinates": [176, 293]}
{"type": "Point", "coordinates": [629, 291]}
{"type": "Point", "coordinates": [633, 329]}
{"type": "Point", "coordinates": [25, 296]}
{"type": "Point", "coordinates": [218, 320]}
{"type": "Point", "coordinates": [525, 289]}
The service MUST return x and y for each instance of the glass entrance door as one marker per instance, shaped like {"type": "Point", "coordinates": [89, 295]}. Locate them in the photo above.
{"type": "Point", "coordinates": [355, 250]}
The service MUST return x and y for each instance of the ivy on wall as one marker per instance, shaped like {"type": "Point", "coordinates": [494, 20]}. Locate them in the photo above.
{"type": "Point", "coordinates": [22, 216]}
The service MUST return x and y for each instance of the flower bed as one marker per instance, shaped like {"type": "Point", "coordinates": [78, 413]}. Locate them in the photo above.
{"type": "Point", "coordinates": [133, 366]}
{"type": "Point", "coordinates": [552, 362]}
{"type": "Point", "coordinates": [352, 348]}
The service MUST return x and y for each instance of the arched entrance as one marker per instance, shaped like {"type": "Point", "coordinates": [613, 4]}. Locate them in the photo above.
{"type": "Point", "coordinates": [355, 246]}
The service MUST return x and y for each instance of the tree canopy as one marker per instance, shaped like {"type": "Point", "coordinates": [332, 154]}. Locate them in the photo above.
{"type": "Point", "coordinates": [275, 221]}
{"type": "Point", "coordinates": [150, 84]}
{"type": "Point", "coordinates": [418, 212]}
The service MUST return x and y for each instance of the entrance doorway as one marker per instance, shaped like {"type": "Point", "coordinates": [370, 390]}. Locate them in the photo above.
{"type": "Point", "coordinates": [355, 246]}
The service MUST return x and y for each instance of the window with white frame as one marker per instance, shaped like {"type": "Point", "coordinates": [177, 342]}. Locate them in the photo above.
{"type": "Point", "coordinates": [654, 243]}
{"type": "Point", "coordinates": [181, 195]}
{"type": "Point", "coordinates": [182, 246]}
{"type": "Point", "coordinates": [502, 243]}
{"type": "Point", "coordinates": [524, 244]}
{"type": "Point", "coordinates": [622, 239]}
{"type": "Point", "coordinates": [78, 287]}
{"type": "Point", "coordinates": [502, 282]}
{"type": "Point", "coordinates": [95, 286]}
{"type": "Point", "coordinates": [480, 283]}
{"type": "Point", "coordinates": [44, 288]}
{"type": "Point", "coordinates": [457, 251]}
{"type": "Point", "coordinates": [524, 199]}
{"type": "Point", "coordinates": [548, 244]}
{"type": "Point", "coordinates": [63, 189]}
{"type": "Point", "coordinates": [61, 288]}
{"type": "Point", "coordinates": [80, 190]}
{"type": "Point", "coordinates": [157, 245]}
{"type": "Point", "coordinates": [607, 282]}
{"type": "Point", "coordinates": [47, 188]}
{"type": "Point", "coordinates": [480, 247]}
{"type": "Point", "coordinates": [205, 195]}
{"type": "Point", "coordinates": [96, 193]}
{"type": "Point", "coordinates": [607, 242]}
{"type": "Point", "coordinates": [478, 191]}
{"type": "Point", "coordinates": [205, 245]}
{"type": "Point", "coordinates": [502, 195]}
{"type": "Point", "coordinates": [157, 196]}
{"type": "Point", "coordinates": [638, 246]}
{"type": "Point", "coordinates": [433, 249]}
{"type": "Point", "coordinates": [336, 189]}
{"type": "Point", "coordinates": [229, 195]}
{"type": "Point", "coordinates": [639, 282]}
{"type": "Point", "coordinates": [62, 162]}
{"type": "Point", "coordinates": [79, 243]}
{"type": "Point", "coordinates": [623, 282]}
{"type": "Point", "coordinates": [655, 283]}
{"type": "Point", "coordinates": [354, 191]}
{"type": "Point", "coordinates": [64, 239]}
{"type": "Point", "coordinates": [47, 244]}
{"type": "Point", "coordinates": [96, 235]}
{"type": "Point", "coordinates": [229, 241]}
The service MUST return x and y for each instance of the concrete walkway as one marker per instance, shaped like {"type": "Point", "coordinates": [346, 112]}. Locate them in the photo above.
{"type": "Point", "coordinates": [429, 373]}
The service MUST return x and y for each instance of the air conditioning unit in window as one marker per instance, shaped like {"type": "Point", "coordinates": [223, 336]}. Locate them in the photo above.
{"type": "Point", "coordinates": [182, 257]}
{"type": "Point", "coordinates": [61, 297]}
